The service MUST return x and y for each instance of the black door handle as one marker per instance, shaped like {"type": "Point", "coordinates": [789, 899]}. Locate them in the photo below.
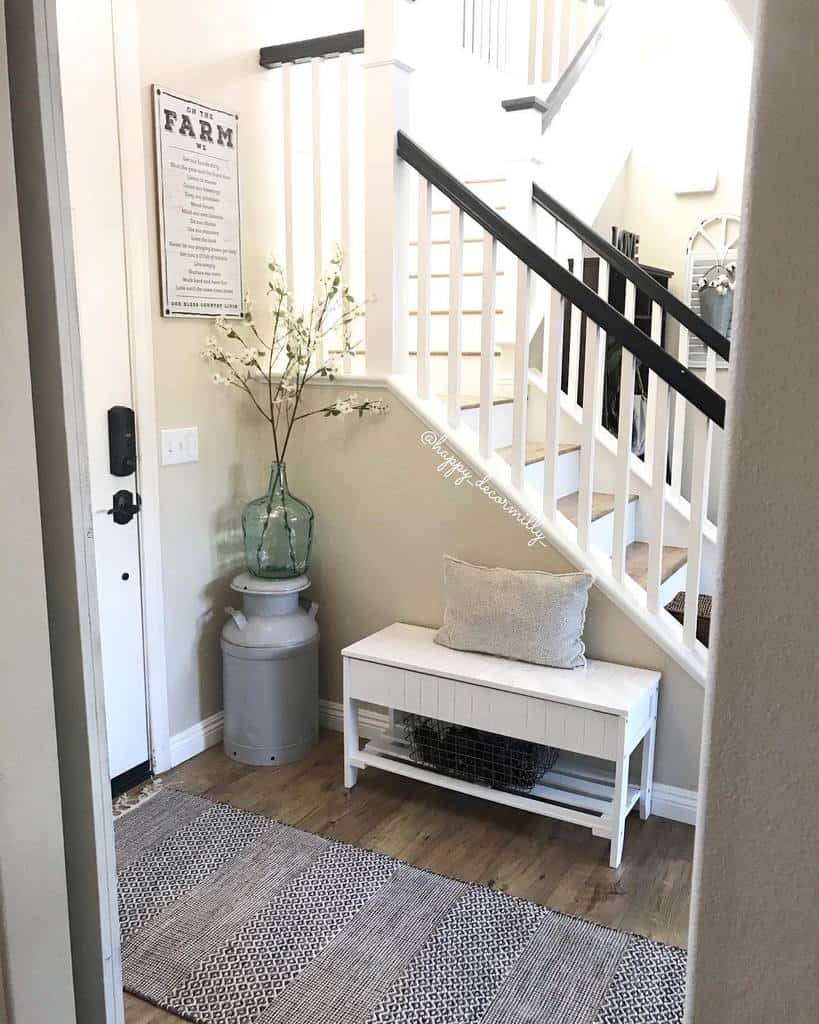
{"type": "Point", "coordinates": [125, 507]}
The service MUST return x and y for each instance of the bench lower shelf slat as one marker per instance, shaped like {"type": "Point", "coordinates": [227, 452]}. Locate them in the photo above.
{"type": "Point", "coordinates": [548, 800]}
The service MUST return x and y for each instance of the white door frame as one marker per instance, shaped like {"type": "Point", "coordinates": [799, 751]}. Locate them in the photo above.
{"type": "Point", "coordinates": [35, 939]}
{"type": "Point", "coordinates": [137, 275]}
{"type": "Point", "coordinates": [68, 540]}
{"type": "Point", "coordinates": [63, 463]}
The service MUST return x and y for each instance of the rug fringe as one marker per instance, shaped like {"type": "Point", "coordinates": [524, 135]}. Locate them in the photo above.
{"type": "Point", "coordinates": [130, 801]}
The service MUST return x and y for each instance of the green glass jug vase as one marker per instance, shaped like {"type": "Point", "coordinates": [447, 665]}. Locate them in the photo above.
{"type": "Point", "coordinates": [277, 530]}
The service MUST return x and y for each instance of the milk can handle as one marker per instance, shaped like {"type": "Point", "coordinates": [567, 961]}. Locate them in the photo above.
{"type": "Point", "coordinates": [238, 617]}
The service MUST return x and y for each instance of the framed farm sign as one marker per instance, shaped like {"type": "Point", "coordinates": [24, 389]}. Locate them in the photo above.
{"type": "Point", "coordinates": [197, 166]}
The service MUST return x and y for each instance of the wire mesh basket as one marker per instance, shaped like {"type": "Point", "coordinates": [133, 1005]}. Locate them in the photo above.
{"type": "Point", "coordinates": [475, 756]}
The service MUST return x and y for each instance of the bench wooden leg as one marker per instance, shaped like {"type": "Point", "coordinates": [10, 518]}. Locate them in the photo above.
{"type": "Point", "coordinates": [647, 768]}
{"type": "Point", "coordinates": [619, 803]}
{"type": "Point", "coordinates": [350, 735]}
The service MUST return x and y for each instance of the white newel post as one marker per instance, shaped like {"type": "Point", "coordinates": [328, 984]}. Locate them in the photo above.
{"type": "Point", "coordinates": [522, 169]}
{"type": "Point", "coordinates": [386, 203]}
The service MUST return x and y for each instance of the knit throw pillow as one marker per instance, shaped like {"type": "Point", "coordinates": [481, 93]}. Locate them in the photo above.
{"type": "Point", "coordinates": [529, 616]}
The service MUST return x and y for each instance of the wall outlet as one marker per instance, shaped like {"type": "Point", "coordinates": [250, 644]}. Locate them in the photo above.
{"type": "Point", "coordinates": [180, 445]}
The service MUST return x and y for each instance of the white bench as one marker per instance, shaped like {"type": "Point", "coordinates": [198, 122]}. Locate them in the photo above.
{"type": "Point", "coordinates": [602, 711]}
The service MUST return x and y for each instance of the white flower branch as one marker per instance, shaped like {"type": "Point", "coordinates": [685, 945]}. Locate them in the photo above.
{"type": "Point", "coordinates": [283, 364]}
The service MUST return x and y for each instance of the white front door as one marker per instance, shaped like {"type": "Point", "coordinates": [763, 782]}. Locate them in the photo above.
{"type": "Point", "coordinates": [90, 114]}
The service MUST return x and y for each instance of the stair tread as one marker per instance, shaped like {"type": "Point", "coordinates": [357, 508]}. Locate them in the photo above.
{"type": "Point", "coordinates": [602, 505]}
{"type": "Point", "coordinates": [464, 312]}
{"type": "Point", "coordinates": [446, 241]}
{"type": "Point", "coordinates": [448, 209]}
{"type": "Point", "coordinates": [637, 562]}
{"type": "Point", "coordinates": [503, 396]}
{"type": "Point", "coordinates": [535, 451]}
{"type": "Point", "coordinates": [466, 273]}
{"type": "Point", "coordinates": [465, 353]}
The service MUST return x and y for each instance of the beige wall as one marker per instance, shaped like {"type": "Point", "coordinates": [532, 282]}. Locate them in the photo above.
{"type": "Point", "coordinates": [384, 519]}
{"type": "Point", "coordinates": [708, 66]}
{"type": "Point", "coordinates": [756, 927]}
{"type": "Point", "coordinates": [210, 50]}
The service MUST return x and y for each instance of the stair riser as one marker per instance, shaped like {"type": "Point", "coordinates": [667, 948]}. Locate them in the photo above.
{"type": "Point", "coordinates": [602, 529]}
{"type": "Point", "coordinates": [439, 333]}
{"type": "Point", "coordinates": [568, 474]}
{"type": "Point", "coordinates": [673, 585]}
{"type": "Point", "coordinates": [502, 421]}
{"type": "Point", "coordinates": [442, 225]}
{"type": "Point", "coordinates": [439, 293]}
{"type": "Point", "coordinates": [439, 258]}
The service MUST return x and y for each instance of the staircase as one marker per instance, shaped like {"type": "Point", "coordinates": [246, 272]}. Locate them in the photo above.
{"type": "Point", "coordinates": [486, 329]}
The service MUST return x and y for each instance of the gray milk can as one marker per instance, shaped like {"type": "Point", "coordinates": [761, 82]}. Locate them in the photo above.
{"type": "Point", "coordinates": [270, 672]}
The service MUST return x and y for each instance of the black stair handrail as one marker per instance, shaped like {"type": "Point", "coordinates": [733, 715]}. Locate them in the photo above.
{"type": "Point", "coordinates": [308, 49]}
{"type": "Point", "coordinates": [677, 376]}
{"type": "Point", "coordinates": [634, 272]}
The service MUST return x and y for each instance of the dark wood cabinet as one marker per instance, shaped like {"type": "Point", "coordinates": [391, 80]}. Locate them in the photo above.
{"type": "Point", "coordinates": [642, 320]}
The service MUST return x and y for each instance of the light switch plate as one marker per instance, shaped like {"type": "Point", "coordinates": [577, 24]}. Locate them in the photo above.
{"type": "Point", "coordinates": [180, 445]}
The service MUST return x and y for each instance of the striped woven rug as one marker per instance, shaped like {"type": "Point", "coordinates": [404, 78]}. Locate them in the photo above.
{"type": "Point", "coordinates": [228, 917]}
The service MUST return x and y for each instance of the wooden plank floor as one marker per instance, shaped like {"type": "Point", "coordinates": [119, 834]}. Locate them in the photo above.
{"type": "Point", "coordinates": [552, 863]}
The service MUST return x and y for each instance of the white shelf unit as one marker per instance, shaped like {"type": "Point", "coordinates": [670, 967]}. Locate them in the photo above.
{"type": "Point", "coordinates": [602, 711]}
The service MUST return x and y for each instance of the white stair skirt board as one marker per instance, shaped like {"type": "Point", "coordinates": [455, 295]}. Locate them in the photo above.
{"type": "Point", "coordinates": [669, 802]}
{"type": "Point", "coordinates": [501, 423]}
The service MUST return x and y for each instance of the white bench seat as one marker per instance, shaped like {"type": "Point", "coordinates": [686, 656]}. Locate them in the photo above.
{"type": "Point", "coordinates": [604, 710]}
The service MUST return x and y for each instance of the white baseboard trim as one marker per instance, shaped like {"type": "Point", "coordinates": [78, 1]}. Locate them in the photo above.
{"type": "Point", "coordinates": [196, 739]}
{"type": "Point", "coordinates": [370, 722]}
{"type": "Point", "coordinates": [674, 803]}
{"type": "Point", "coordinates": [667, 802]}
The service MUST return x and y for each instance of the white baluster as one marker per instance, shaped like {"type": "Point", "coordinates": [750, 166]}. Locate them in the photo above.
{"type": "Point", "coordinates": [520, 384]}
{"type": "Point", "coordinates": [553, 368]}
{"type": "Point", "coordinates": [576, 320]}
{"type": "Point", "coordinates": [651, 398]}
{"type": "Point", "coordinates": [593, 372]}
{"type": "Point", "coordinates": [711, 368]}
{"type": "Point", "coordinates": [490, 271]}
{"type": "Point", "coordinates": [574, 14]}
{"type": "Point", "coordinates": [456, 287]}
{"type": "Point", "coordinates": [287, 156]}
{"type": "Point", "coordinates": [469, 25]}
{"type": "Point", "coordinates": [424, 302]}
{"type": "Point", "coordinates": [700, 474]}
{"type": "Point", "coordinates": [344, 175]}
{"type": "Point", "coordinates": [318, 246]}
{"type": "Point", "coordinates": [556, 41]}
{"type": "Point", "coordinates": [504, 49]}
{"type": "Point", "coordinates": [680, 410]}
{"type": "Point", "coordinates": [656, 515]}
{"type": "Point", "coordinates": [537, 38]}
{"type": "Point", "coordinates": [625, 421]}
{"type": "Point", "coordinates": [587, 10]}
